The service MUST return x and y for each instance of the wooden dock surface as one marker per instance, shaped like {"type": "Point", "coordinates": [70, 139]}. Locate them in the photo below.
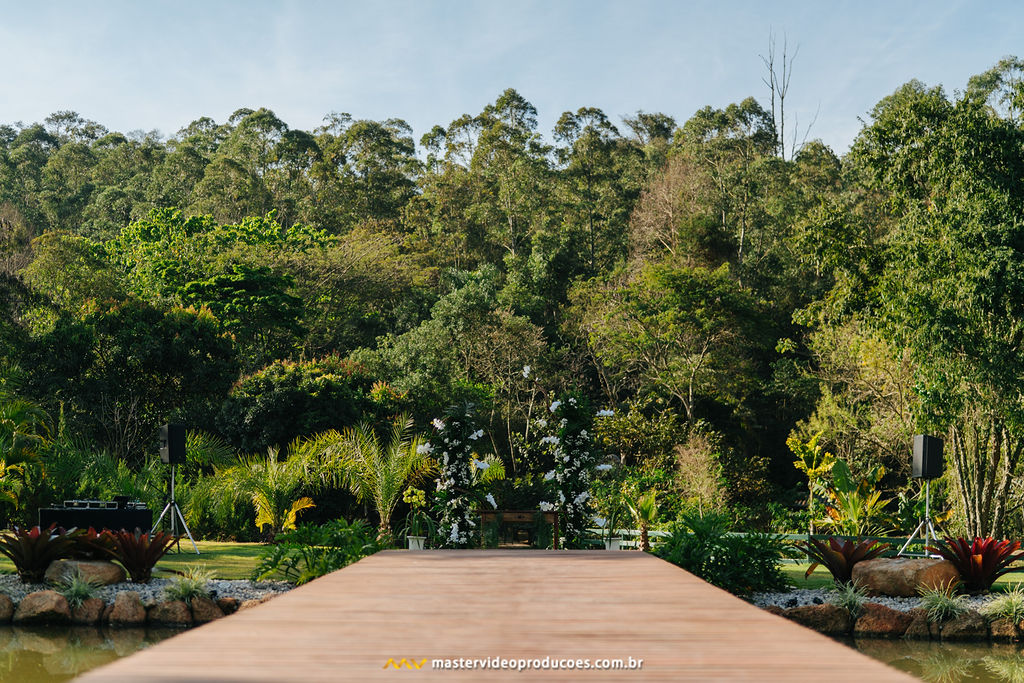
{"type": "Point", "coordinates": [512, 604]}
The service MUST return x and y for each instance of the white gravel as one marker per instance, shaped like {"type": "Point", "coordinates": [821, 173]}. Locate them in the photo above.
{"type": "Point", "coordinates": [153, 592]}
{"type": "Point", "coordinates": [805, 596]}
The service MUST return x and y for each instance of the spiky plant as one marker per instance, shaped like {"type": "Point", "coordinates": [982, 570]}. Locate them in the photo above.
{"type": "Point", "coordinates": [32, 550]}
{"type": "Point", "coordinates": [942, 602]}
{"type": "Point", "coordinates": [851, 596]}
{"type": "Point", "coordinates": [190, 584]}
{"type": "Point", "coordinates": [1008, 605]}
{"type": "Point", "coordinates": [981, 561]}
{"type": "Point", "coordinates": [138, 553]}
{"type": "Point", "coordinates": [839, 555]}
{"type": "Point", "coordinates": [76, 589]}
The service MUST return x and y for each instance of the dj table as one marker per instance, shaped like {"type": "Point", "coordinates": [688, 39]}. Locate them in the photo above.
{"type": "Point", "coordinates": [113, 515]}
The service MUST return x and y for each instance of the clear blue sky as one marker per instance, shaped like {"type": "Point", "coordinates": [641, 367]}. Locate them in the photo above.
{"type": "Point", "coordinates": [159, 65]}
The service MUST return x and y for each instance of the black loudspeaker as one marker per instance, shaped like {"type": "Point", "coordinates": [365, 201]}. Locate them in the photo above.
{"type": "Point", "coordinates": [927, 457]}
{"type": "Point", "coordinates": [172, 444]}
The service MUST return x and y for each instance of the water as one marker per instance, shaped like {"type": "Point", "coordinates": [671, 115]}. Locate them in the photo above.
{"type": "Point", "coordinates": [51, 654]}
{"type": "Point", "coordinates": [947, 662]}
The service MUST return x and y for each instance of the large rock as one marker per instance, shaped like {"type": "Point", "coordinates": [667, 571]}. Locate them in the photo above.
{"type": "Point", "coordinates": [1004, 630]}
{"type": "Point", "coordinates": [89, 612]}
{"type": "Point", "coordinates": [205, 610]}
{"type": "Point", "coordinates": [901, 576]}
{"type": "Point", "coordinates": [170, 613]}
{"type": "Point", "coordinates": [43, 607]}
{"type": "Point", "coordinates": [97, 572]}
{"type": "Point", "coordinates": [879, 621]}
{"type": "Point", "coordinates": [127, 610]}
{"type": "Point", "coordinates": [968, 626]}
{"type": "Point", "coordinates": [228, 605]}
{"type": "Point", "coordinates": [920, 628]}
{"type": "Point", "coordinates": [6, 608]}
{"type": "Point", "coordinates": [831, 620]}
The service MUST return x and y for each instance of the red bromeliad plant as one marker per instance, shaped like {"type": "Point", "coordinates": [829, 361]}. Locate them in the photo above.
{"type": "Point", "coordinates": [32, 550]}
{"type": "Point", "coordinates": [981, 561]}
{"type": "Point", "coordinates": [839, 555]}
{"type": "Point", "coordinates": [139, 552]}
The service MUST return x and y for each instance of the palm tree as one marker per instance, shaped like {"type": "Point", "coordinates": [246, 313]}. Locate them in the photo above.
{"type": "Point", "coordinates": [374, 470]}
{"type": "Point", "coordinates": [645, 510]}
{"type": "Point", "coordinates": [24, 433]}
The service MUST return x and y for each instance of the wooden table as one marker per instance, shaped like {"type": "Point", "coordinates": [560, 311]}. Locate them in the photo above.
{"type": "Point", "coordinates": [520, 517]}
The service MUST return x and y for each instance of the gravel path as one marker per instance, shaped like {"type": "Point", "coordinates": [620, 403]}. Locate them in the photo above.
{"type": "Point", "coordinates": [805, 596]}
{"type": "Point", "coordinates": [153, 592]}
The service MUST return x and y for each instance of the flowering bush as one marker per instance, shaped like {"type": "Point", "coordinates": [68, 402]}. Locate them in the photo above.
{"type": "Point", "coordinates": [570, 444]}
{"type": "Point", "coordinates": [454, 438]}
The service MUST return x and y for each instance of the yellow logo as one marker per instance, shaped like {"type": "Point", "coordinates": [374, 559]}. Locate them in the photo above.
{"type": "Point", "coordinates": [405, 664]}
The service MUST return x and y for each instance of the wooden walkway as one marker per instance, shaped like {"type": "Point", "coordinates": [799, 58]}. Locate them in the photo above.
{"type": "Point", "coordinates": [513, 604]}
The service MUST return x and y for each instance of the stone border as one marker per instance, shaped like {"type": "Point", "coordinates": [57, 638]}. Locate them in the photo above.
{"type": "Point", "coordinates": [880, 621]}
{"type": "Point", "coordinates": [127, 610]}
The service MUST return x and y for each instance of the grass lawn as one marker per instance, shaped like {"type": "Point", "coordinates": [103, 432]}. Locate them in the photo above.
{"type": "Point", "coordinates": [225, 560]}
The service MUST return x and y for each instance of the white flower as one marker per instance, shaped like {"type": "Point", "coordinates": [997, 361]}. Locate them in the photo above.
{"type": "Point", "coordinates": [438, 425]}
{"type": "Point", "coordinates": [480, 465]}
{"type": "Point", "coordinates": [546, 506]}
{"type": "Point", "coordinates": [454, 538]}
{"type": "Point", "coordinates": [549, 439]}
{"type": "Point", "coordinates": [526, 372]}
{"type": "Point", "coordinates": [476, 435]}
{"type": "Point", "coordinates": [554, 406]}
{"type": "Point", "coordinates": [605, 413]}
{"type": "Point", "coordinates": [600, 521]}
{"type": "Point", "coordinates": [549, 476]}
{"type": "Point", "coordinates": [582, 497]}
{"type": "Point", "coordinates": [583, 433]}
{"type": "Point", "coordinates": [603, 468]}
{"type": "Point", "coordinates": [572, 401]}
{"type": "Point", "coordinates": [542, 423]}
{"type": "Point", "coordinates": [490, 499]}
{"type": "Point", "coordinates": [424, 449]}
{"type": "Point", "coordinates": [561, 497]}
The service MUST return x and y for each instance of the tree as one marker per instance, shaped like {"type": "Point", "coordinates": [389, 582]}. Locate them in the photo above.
{"type": "Point", "coordinates": [374, 470]}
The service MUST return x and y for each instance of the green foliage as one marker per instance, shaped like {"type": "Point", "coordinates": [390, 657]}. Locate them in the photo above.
{"type": "Point", "coordinates": [190, 584]}
{"type": "Point", "coordinates": [76, 589]}
{"type": "Point", "coordinates": [981, 561]}
{"type": "Point", "coordinates": [308, 551]}
{"type": "Point", "coordinates": [942, 603]}
{"type": "Point", "coordinates": [139, 552]}
{"type": "Point", "coordinates": [840, 555]}
{"type": "Point", "coordinates": [855, 507]}
{"type": "Point", "coordinates": [1008, 605]}
{"type": "Point", "coordinates": [32, 550]}
{"type": "Point", "coordinates": [286, 399]}
{"type": "Point", "coordinates": [849, 596]}
{"type": "Point", "coordinates": [741, 564]}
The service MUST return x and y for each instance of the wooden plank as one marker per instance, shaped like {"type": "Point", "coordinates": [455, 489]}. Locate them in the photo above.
{"type": "Point", "coordinates": [437, 604]}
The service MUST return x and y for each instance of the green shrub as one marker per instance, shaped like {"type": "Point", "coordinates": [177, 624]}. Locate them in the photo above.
{"type": "Point", "coordinates": [942, 603]}
{"type": "Point", "coordinates": [741, 564]}
{"type": "Point", "coordinates": [310, 551]}
{"type": "Point", "coordinates": [1009, 605]}
{"type": "Point", "coordinates": [77, 589]}
{"type": "Point", "coordinates": [138, 553]}
{"type": "Point", "coordinates": [190, 584]}
{"type": "Point", "coordinates": [850, 596]}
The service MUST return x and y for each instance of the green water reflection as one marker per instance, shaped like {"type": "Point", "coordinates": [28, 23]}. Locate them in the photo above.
{"type": "Point", "coordinates": [948, 662]}
{"type": "Point", "coordinates": [31, 655]}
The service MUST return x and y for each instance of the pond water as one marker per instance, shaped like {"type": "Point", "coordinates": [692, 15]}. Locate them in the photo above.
{"type": "Point", "coordinates": [50, 654]}
{"type": "Point", "coordinates": [947, 662]}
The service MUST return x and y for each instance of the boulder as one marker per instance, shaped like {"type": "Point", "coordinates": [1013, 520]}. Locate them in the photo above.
{"type": "Point", "coordinates": [170, 613]}
{"type": "Point", "coordinates": [228, 605]}
{"type": "Point", "coordinates": [6, 608]}
{"type": "Point", "coordinates": [248, 604]}
{"type": "Point", "coordinates": [774, 609]}
{"type": "Point", "coordinates": [1004, 631]}
{"type": "Point", "coordinates": [205, 610]}
{"type": "Point", "coordinates": [879, 621]}
{"type": "Point", "coordinates": [968, 626]}
{"type": "Point", "coordinates": [831, 620]}
{"type": "Point", "coordinates": [901, 576]}
{"type": "Point", "coordinates": [127, 610]}
{"type": "Point", "coordinates": [89, 612]}
{"type": "Point", "coordinates": [43, 607]}
{"type": "Point", "coordinates": [98, 572]}
{"type": "Point", "coordinates": [920, 628]}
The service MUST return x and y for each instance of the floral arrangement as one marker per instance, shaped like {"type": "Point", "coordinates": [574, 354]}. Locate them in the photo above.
{"type": "Point", "coordinates": [454, 437]}
{"type": "Point", "coordinates": [570, 446]}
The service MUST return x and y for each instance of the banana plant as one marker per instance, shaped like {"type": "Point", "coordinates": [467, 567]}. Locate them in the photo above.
{"type": "Point", "coordinates": [856, 507]}
{"type": "Point", "coordinates": [814, 461]}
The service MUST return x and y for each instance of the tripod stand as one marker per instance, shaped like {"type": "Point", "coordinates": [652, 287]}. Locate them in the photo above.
{"type": "Point", "coordinates": [925, 524]}
{"type": "Point", "coordinates": [172, 506]}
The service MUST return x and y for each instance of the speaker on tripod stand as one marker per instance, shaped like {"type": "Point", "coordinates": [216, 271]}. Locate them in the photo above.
{"type": "Point", "coordinates": [927, 464]}
{"type": "Point", "coordinates": [172, 452]}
